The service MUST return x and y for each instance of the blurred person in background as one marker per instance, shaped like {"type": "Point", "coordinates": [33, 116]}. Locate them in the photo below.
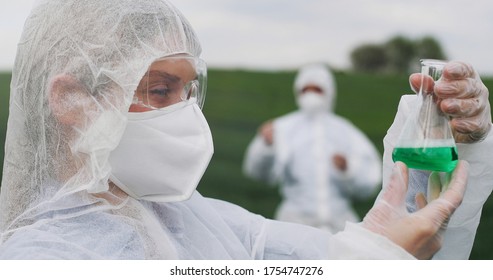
{"type": "Point", "coordinates": [321, 161]}
{"type": "Point", "coordinates": [106, 143]}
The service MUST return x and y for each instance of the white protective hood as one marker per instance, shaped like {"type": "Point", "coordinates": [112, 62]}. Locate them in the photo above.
{"type": "Point", "coordinates": [69, 69]}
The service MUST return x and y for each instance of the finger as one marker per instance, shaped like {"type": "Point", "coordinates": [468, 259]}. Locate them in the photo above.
{"type": "Point", "coordinates": [456, 107]}
{"type": "Point", "coordinates": [415, 82]}
{"type": "Point", "coordinates": [465, 88]}
{"type": "Point", "coordinates": [442, 208]}
{"type": "Point", "coordinates": [421, 82]}
{"type": "Point", "coordinates": [421, 201]}
{"type": "Point", "coordinates": [445, 179]}
{"type": "Point", "coordinates": [434, 186]}
{"type": "Point", "coordinates": [457, 70]}
{"type": "Point", "coordinates": [473, 137]}
{"type": "Point", "coordinates": [395, 192]}
{"type": "Point", "coordinates": [457, 186]}
{"type": "Point", "coordinates": [477, 125]}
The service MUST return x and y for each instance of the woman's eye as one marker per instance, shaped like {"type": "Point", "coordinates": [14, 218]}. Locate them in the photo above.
{"type": "Point", "coordinates": [159, 91]}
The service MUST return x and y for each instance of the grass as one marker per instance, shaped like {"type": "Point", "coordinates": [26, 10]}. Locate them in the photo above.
{"type": "Point", "coordinates": [239, 101]}
{"type": "Point", "coordinates": [4, 112]}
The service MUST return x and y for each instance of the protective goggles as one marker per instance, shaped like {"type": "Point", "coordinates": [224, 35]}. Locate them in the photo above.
{"type": "Point", "coordinates": [171, 80]}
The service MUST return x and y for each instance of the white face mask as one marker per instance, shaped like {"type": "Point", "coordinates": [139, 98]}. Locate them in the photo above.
{"type": "Point", "coordinates": [162, 155]}
{"type": "Point", "coordinates": [312, 102]}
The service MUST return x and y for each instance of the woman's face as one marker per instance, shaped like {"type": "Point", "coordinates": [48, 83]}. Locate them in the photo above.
{"type": "Point", "coordinates": [163, 84]}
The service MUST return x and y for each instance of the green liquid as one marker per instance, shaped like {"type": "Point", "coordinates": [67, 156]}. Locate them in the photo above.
{"type": "Point", "coordinates": [429, 158]}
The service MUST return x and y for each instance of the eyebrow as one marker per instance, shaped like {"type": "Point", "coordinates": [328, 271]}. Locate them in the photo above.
{"type": "Point", "coordinates": [167, 76]}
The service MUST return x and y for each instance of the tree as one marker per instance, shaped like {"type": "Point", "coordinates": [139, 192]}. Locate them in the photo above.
{"type": "Point", "coordinates": [397, 55]}
{"type": "Point", "coordinates": [399, 51]}
{"type": "Point", "coordinates": [428, 47]}
{"type": "Point", "coordinates": [367, 58]}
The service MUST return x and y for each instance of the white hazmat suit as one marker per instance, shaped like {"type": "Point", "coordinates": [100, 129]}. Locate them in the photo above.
{"type": "Point", "coordinates": [314, 191]}
{"type": "Point", "coordinates": [78, 61]}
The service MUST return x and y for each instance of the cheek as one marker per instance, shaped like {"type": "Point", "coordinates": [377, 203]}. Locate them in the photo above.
{"type": "Point", "coordinates": [136, 108]}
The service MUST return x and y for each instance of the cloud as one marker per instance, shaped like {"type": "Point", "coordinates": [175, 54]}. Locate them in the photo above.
{"type": "Point", "coordinates": [278, 34]}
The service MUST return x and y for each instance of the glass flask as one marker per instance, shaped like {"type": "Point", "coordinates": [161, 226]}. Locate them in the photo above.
{"type": "Point", "coordinates": [426, 141]}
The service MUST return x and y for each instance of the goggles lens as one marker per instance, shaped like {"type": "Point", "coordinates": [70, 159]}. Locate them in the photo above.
{"type": "Point", "coordinates": [171, 80]}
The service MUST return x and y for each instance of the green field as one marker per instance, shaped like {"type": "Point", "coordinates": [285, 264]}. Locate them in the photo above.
{"type": "Point", "coordinates": [239, 101]}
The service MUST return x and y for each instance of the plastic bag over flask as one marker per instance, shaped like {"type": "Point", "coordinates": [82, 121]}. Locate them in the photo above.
{"type": "Point", "coordinates": [426, 141]}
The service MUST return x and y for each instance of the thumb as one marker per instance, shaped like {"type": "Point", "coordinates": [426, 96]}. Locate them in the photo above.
{"type": "Point", "coordinates": [441, 208]}
{"type": "Point", "coordinates": [434, 187]}
{"type": "Point", "coordinates": [416, 81]}
{"type": "Point", "coordinates": [395, 192]}
{"type": "Point", "coordinates": [457, 186]}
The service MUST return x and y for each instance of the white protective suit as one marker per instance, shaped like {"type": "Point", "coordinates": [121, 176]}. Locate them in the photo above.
{"type": "Point", "coordinates": [461, 229]}
{"type": "Point", "coordinates": [56, 202]}
{"type": "Point", "coordinates": [314, 191]}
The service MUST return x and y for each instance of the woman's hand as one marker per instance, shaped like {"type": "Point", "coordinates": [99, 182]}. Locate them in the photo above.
{"type": "Point", "coordinates": [420, 233]}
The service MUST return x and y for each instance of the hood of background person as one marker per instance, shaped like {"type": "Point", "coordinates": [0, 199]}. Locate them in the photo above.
{"type": "Point", "coordinates": [319, 75]}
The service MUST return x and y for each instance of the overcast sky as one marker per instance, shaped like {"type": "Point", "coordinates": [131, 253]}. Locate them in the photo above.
{"type": "Point", "coordinates": [280, 34]}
